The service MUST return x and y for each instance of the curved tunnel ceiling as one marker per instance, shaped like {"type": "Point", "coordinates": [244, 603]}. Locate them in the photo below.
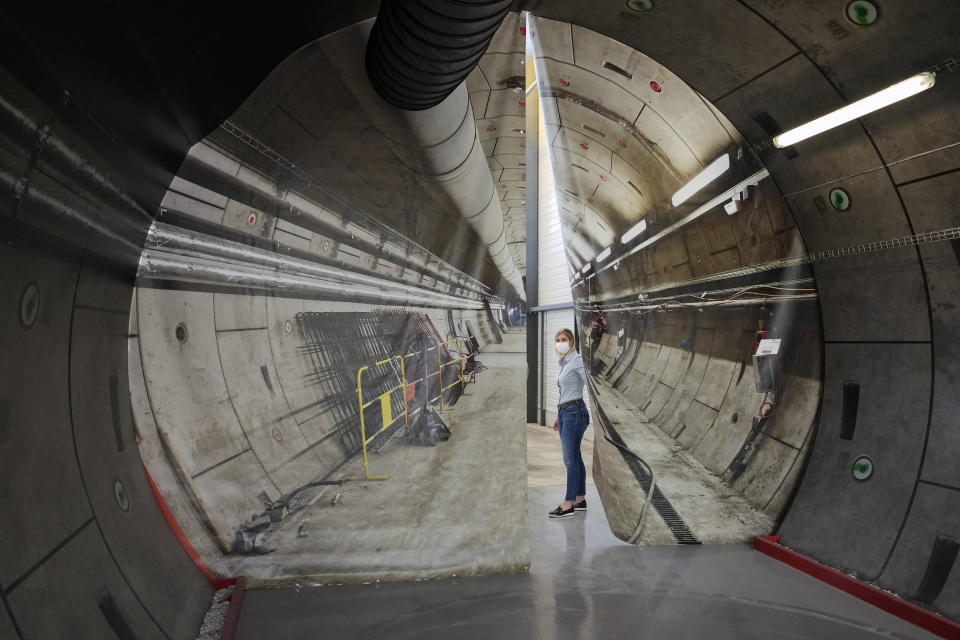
{"type": "Point", "coordinates": [620, 148]}
{"type": "Point", "coordinates": [93, 138]}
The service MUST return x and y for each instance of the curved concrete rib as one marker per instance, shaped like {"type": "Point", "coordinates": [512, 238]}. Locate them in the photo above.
{"type": "Point", "coordinates": [439, 144]}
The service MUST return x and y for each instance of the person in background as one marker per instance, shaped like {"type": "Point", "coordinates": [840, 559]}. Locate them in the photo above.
{"type": "Point", "coordinates": [572, 420]}
{"type": "Point", "coordinates": [597, 329]}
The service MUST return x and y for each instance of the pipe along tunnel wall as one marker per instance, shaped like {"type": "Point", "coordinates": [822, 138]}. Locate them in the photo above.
{"type": "Point", "coordinates": [73, 225]}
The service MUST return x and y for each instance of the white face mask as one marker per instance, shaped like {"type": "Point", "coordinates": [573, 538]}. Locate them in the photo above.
{"type": "Point", "coordinates": [563, 347]}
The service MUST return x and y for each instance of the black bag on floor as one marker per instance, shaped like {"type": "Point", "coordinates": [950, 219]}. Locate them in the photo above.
{"type": "Point", "coordinates": [429, 428]}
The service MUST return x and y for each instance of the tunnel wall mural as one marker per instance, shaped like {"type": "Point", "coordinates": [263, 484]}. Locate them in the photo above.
{"type": "Point", "coordinates": [673, 372]}
{"type": "Point", "coordinates": [260, 322]}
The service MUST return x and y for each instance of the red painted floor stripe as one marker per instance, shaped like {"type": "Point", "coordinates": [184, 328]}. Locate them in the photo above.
{"type": "Point", "coordinates": [232, 623]}
{"type": "Point", "coordinates": [890, 603]}
{"type": "Point", "coordinates": [218, 583]}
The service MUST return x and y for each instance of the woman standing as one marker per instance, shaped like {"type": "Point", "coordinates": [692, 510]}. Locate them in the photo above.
{"type": "Point", "coordinates": [572, 421]}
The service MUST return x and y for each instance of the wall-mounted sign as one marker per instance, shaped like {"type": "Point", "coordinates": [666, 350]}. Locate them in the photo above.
{"type": "Point", "coordinates": [30, 305]}
{"type": "Point", "coordinates": [640, 5]}
{"type": "Point", "coordinates": [768, 347]}
{"type": "Point", "coordinates": [839, 199]}
{"type": "Point", "coordinates": [121, 496]}
{"type": "Point", "coordinates": [862, 468]}
{"type": "Point", "coordinates": [862, 13]}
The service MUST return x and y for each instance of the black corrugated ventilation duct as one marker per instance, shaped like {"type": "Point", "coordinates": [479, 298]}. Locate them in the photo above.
{"type": "Point", "coordinates": [421, 50]}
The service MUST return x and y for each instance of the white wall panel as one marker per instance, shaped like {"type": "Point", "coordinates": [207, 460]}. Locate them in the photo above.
{"type": "Point", "coordinates": [554, 277]}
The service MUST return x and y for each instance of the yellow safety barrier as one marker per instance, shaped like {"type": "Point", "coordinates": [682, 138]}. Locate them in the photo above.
{"type": "Point", "coordinates": [385, 409]}
{"type": "Point", "coordinates": [442, 364]}
{"type": "Point", "coordinates": [426, 376]}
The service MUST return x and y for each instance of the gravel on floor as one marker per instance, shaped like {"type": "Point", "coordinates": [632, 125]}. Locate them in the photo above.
{"type": "Point", "coordinates": [216, 616]}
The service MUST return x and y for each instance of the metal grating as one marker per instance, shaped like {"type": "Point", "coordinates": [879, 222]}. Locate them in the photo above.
{"type": "Point", "coordinates": [338, 344]}
{"type": "Point", "coordinates": [336, 349]}
{"type": "Point", "coordinates": [950, 64]}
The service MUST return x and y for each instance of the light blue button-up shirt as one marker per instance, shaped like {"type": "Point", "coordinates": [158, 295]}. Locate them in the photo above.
{"type": "Point", "coordinates": [571, 377]}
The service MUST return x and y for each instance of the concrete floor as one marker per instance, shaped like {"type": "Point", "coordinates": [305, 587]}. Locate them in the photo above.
{"type": "Point", "coordinates": [458, 508]}
{"type": "Point", "coordinates": [713, 512]}
{"type": "Point", "coordinates": [582, 583]}
{"type": "Point", "coordinates": [545, 460]}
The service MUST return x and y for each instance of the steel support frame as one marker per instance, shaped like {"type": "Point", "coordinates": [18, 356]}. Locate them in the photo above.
{"type": "Point", "coordinates": [533, 251]}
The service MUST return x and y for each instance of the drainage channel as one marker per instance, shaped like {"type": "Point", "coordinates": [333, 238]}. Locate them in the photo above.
{"type": "Point", "coordinates": [681, 532]}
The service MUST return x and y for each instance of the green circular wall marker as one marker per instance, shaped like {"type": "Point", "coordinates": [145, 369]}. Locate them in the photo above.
{"type": "Point", "coordinates": [839, 199]}
{"type": "Point", "coordinates": [120, 495]}
{"type": "Point", "coordinates": [30, 305]}
{"type": "Point", "coordinates": [862, 468]}
{"type": "Point", "coordinates": [862, 13]}
{"type": "Point", "coordinates": [640, 5]}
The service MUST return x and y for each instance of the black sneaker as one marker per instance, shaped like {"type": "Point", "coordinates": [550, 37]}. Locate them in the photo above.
{"type": "Point", "coordinates": [580, 506]}
{"type": "Point", "coordinates": [560, 512]}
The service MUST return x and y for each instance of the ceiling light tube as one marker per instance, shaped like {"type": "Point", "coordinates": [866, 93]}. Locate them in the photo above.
{"type": "Point", "coordinates": [603, 255]}
{"type": "Point", "coordinates": [634, 231]}
{"type": "Point", "coordinates": [585, 268]}
{"type": "Point", "coordinates": [712, 171]}
{"type": "Point", "coordinates": [753, 181]}
{"type": "Point", "coordinates": [905, 89]}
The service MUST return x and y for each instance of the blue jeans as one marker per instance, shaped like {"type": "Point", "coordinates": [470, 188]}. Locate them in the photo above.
{"type": "Point", "coordinates": [573, 422]}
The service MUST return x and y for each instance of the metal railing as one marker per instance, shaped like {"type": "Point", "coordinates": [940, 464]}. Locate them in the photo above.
{"type": "Point", "coordinates": [461, 359]}
{"type": "Point", "coordinates": [407, 386]}
{"type": "Point", "coordinates": [425, 378]}
{"type": "Point", "coordinates": [386, 411]}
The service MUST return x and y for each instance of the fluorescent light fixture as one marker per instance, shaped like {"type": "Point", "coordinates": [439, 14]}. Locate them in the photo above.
{"type": "Point", "coordinates": [899, 91]}
{"type": "Point", "coordinates": [734, 205]}
{"type": "Point", "coordinates": [751, 181]}
{"type": "Point", "coordinates": [586, 268]}
{"type": "Point", "coordinates": [712, 171]}
{"type": "Point", "coordinates": [603, 255]}
{"type": "Point", "coordinates": [634, 231]}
